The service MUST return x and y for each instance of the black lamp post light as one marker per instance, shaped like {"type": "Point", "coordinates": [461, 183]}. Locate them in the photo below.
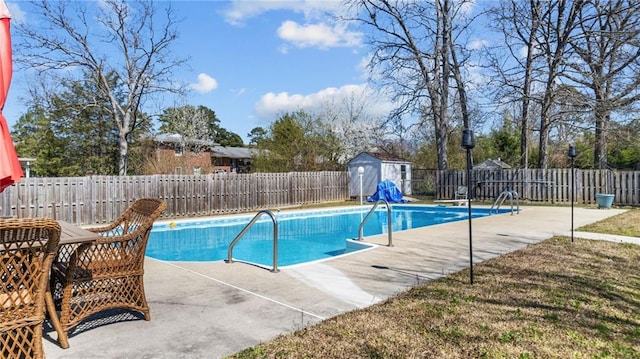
{"type": "Point", "coordinates": [468, 143]}
{"type": "Point", "coordinates": [572, 154]}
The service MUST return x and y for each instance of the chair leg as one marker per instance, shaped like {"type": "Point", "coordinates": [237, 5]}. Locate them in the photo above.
{"type": "Point", "coordinates": [146, 311]}
{"type": "Point", "coordinates": [55, 321]}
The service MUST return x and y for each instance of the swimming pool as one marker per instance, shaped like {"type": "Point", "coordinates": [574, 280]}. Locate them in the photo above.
{"type": "Point", "coordinates": [304, 236]}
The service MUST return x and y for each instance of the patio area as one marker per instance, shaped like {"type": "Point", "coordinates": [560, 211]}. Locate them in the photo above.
{"type": "Point", "coordinates": [210, 310]}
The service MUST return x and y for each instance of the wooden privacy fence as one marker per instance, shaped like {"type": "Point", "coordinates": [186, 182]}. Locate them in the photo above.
{"type": "Point", "coordinates": [100, 199]}
{"type": "Point", "coordinates": [551, 185]}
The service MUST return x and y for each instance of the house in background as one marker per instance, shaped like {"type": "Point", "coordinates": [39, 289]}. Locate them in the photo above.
{"type": "Point", "coordinates": [231, 159]}
{"type": "Point", "coordinates": [176, 154]}
{"type": "Point", "coordinates": [378, 167]}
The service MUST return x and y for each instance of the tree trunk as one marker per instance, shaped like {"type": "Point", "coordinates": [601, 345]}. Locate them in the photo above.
{"type": "Point", "coordinates": [526, 93]}
{"type": "Point", "coordinates": [543, 159]}
{"type": "Point", "coordinates": [442, 139]}
{"type": "Point", "coordinates": [442, 47]}
{"type": "Point", "coordinates": [545, 123]}
{"type": "Point", "coordinates": [124, 148]}
{"type": "Point", "coordinates": [600, 150]}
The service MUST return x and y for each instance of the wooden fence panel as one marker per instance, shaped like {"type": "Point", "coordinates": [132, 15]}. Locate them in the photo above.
{"type": "Point", "coordinates": [634, 188]}
{"type": "Point", "coordinates": [578, 193]}
{"type": "Point", "coordinates": [218, 193]}
{"type": "Point", "coordinates": [598, 182]}
{"type": "Point", "coordinates": [297, 187]}
{"type": "Point", "coordinates": [100, 199]}
{"type": "Point", "coordinates": [627, 187]}
{"type": "Point", "coordinates": [620, 187]}
{"type": "Point", "coordinates": [544, 185]}
{"type": "Point", "coordinates": [587, 179]}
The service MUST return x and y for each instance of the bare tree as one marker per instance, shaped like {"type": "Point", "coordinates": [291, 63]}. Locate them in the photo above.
{"type": "Point", "coordinates": [518, 21]}
{"type": "Point", "coordinates": [191, 123]}
{"type": "Point", "coordinates": [354, 123]}
{"type": "Point", "coordinates": [607, 63]}
{"type": "Point", "coordinates": [559, 20]}
{"type": "Point", "coordinates": [412, 46]}
{"type": "Point", "coordinates": [125, 43]}
{"type": "Point", "coordinates": [543, 29]}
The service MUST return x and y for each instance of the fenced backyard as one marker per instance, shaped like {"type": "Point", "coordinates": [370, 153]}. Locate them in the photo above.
{"type": "Point", "coordinates": [100, 199]}
{"type": "Point", "coordinates": [548, 186]}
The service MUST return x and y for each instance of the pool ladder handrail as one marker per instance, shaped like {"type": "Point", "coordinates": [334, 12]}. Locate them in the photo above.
{"type": "Point", "coordinates": [247, 227]}
{"type": "Point", "coordinates": [366, 218]}
{"type": "Point", "coordinates": [502, 197]}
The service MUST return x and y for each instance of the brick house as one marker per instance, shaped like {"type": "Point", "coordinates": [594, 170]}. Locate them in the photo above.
{"type": "Point", "coordinates": [175, 154]}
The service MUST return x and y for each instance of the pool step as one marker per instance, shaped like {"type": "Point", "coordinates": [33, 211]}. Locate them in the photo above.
{"type": "Point", "coordinates": [502, 197]}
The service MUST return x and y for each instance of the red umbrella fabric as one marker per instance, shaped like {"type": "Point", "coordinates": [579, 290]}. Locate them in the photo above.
{"type": "Point", "coordinates": [10, 170]}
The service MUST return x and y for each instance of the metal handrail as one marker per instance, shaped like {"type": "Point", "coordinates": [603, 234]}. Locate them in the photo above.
{"type": "Point", "coordinates": [247, 227]}
{"type": "Point", "coordinates": [502, 197]}
{"type": "Point", "coordinates": [369, 215]}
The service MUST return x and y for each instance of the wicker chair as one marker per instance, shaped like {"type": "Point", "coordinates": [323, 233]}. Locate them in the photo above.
{"type": "Point", "coordinates": [107, 273]}
{"type": "Point", "coordinates": [27, 249]}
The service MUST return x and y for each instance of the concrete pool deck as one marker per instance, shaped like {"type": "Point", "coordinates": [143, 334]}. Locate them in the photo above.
{"type": "Point", "coordinates": [215, 309]}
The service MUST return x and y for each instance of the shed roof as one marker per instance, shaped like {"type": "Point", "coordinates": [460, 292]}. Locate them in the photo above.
{"type": "Point", "coordinates": [492, 164]}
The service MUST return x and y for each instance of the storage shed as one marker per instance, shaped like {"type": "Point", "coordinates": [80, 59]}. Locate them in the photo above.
{"type": "Point", "coordinates": [378, 167]}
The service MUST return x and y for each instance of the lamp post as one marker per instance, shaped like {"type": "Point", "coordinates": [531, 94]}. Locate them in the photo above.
{"type": "Point", "coordinates": [572, 154]}
{"type": "Point", "coordinates": [360, 173]}
{"type": "Point", "coordinates": [468, 143]}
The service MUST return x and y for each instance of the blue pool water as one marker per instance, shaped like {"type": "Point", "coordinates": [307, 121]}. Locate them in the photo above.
{"type": "Point", "coordinates": [303, 236]}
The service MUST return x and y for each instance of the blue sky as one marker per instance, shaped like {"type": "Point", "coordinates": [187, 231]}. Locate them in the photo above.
{"type": "Point", "coordinates": [252, 60]}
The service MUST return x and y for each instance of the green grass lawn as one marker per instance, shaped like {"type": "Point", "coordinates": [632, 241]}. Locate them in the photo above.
{"type": "Point", "coordinates": [625, 224]}
{"type": "Point", "coordinates": [555, 299]}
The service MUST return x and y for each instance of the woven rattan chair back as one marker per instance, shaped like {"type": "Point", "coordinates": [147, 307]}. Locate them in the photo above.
{"type": "Point", "coordinates": [108, 273]}
{"type": "Point", "coordinates": [27, 249]}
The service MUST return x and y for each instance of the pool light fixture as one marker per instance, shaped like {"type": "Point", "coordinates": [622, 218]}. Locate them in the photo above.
{"type": "Point", "coordinates": [360, 173]}
{"type": "Point", "coordinates": [573, 153]}
{"type": "Point", "coordinates": [468, 144]}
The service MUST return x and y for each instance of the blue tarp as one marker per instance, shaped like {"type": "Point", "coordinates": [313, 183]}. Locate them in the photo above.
{"type": "Point", "coordinates": [387, 190]}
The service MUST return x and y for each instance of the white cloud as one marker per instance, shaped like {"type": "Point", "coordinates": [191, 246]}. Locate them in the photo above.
{"type": "Point", "coordinates": [320, 35]}
{"type": "Point", "coordinates": [477, 44]}
{"type": "Point", "coordinates": [363, 65]}
{"type": "Point", "coordinates": [317, 29]}
{"type": "Point", "coordinates": [240, 10]}
{"type": "Point", "coordinates": [205, 83]}
{"type": "Point", "coordinates": [476, 77]}
{"type": "Point", "coordinates": [467, 7]}
{"type": "Point", "coordinates": [272, 104]}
